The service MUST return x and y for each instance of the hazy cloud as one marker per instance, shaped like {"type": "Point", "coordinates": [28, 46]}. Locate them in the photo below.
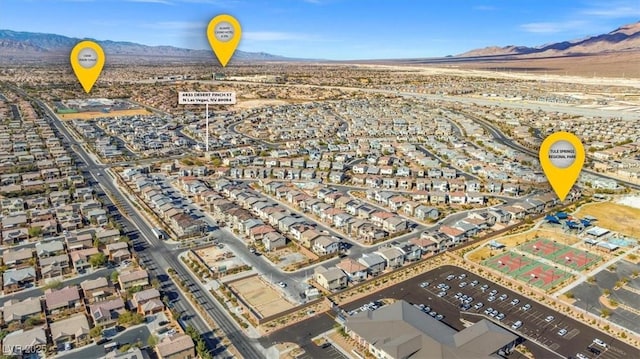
{"type": "Point", "coordinates": [552, 27]}
{"type": "Point", "coordinates": [615, 11]}
{"type": "Point", "coordinates": [484, 8]}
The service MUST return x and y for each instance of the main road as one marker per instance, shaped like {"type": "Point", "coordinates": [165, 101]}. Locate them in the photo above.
{"type": "Point", "coordinates": [155, 254]}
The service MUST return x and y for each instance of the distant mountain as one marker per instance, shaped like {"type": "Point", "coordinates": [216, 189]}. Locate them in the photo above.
{"type": "Point", "coordinates": [40, 47]}
{"type": "Point", "coordinates": [624, 38]}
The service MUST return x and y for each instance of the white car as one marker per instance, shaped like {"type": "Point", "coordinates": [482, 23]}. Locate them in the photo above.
{"type": "Point", "coordinates": [549, 319]}
{"type": "Point", "coordinates": [581, 356]}
{"type": "Point", "coordinates": [282, 284]}
{"type": "Point", "coordinates": [562, 332]}
{"type": "Point", "coordinates": [516, 325]}
{"type": "Point", "coordinates": [599, 342]}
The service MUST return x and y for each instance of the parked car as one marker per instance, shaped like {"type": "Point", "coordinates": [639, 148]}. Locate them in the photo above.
{"type": "Point", "coordinates": [562, 332]}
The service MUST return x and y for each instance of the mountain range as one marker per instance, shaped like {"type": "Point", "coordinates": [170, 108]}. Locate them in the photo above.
{"type": "Point", "coordinates": [40, 47]}
{"type": "Point", "coordinates": [24, 47]}
{"type": "Point", "coordinates": [624, 38]}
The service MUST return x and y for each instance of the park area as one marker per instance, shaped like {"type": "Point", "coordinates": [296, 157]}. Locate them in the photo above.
{"type": "Point", "coordinates": [561, 254]}
{"type": "Point", "coordinates": [616, 217]}
{"type": "Point", "coordinates": [527, 270]}
{"type": "Point", "coordinates": [260, 296]}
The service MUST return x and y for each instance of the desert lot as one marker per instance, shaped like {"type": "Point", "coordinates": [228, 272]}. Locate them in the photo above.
{"type": "Point", "coordinates": [94, 115]}
{"type": "Point", "coordinates": [261, 296]}
{"type": "Point", "coordinates": [613, 216]}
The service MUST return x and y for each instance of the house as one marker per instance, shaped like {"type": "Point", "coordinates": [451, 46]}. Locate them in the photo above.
{"type": "Point", "coordinates": [96, 289]}
{"type": "Point", "coordinates": [23, 343]}
{"type": "Point", "coordinates": [425, 212]}
{"type": "Point", "coordinates": [134, 278]}
{"type": "Point", "coordinates": [273, 241]}
{"type": "Point", "coordinates": [22, 257]}
{"type": "Point", "coordinates": [443, 241]}
{"type": "Point", "coordinates": [501, 215]}
{"type": "Point", "coordinates": [330, 279]}
{"type": "Point", "coordinates": [356, 272]}
{"type": "Point", "coordinates": [457, 235]}
{"type": "Point", "coordinates": [54, 266]}
{"type": "Point", "coordinates": [106, 313]}
{"type": "Point", "coordinates": [15, 310]}
{"type": "Point", "coordinates": [393, 257]}
{"type": "Point", "coordinates": [118, 252]}
{"type": "Point", "coordinates": [307, 237]}
{"type": "Point", "coordinates": [147, 301]}
{"type": "Point", "coordinates": [178, 346]}
{"type": "Point", "coordinates": [457, 197]}
{"type": "Point", "coordinates": [515, 212]}
{"type": "Point", "coordinates": [426, 245]}
{"type": "Point", "coordinates": [71, 330]}
{"type": "Point", "coordinates": [395, 224]}
{"type": "Point", "coordinates": [17, 279]}
{"type": "Point", "coordinates": [374, 263]}
{"type": "Point", "coordinates": [80, 258]}
{"type": "Point", "coordinates": [49, 248]}
{"type": "Point", "coordinates": [325, 245]}
{"type": "Point", "coordinates": [108, 236]}
{"type": "Point", "coordinates": [57, 300]}
{"type": "Point", "coordinates": [79, 241]}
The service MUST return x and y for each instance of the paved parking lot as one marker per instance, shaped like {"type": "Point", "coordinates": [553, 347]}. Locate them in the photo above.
{"type": "Point", "coordinates": [329, 352]}
{"type": "Point", "coordinates": [535, 325]}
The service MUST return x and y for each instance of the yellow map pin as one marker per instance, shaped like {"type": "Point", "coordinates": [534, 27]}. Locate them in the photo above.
{"type": "Point", "coordinates": [224, 34]}
{"type": "Point", "coordinates": [87, 60]}
{"type": "Point", "coordinates": [562, 158]}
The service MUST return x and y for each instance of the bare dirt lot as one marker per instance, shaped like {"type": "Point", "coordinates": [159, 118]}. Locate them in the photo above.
{"type": "Point", "coordinates": [261, 296]}
{"type": "Point", "coordinates": [613, 216]}
{"type": "Point", "coordinates": [93, 115]}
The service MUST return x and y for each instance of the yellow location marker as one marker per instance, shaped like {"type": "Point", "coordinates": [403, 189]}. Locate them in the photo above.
{"type": "Point", "coordinates": [87, 60]}
{"type": "Point", "coordinates": [562, 157]}
{"type": "Point", "coordinates": [224, 34]}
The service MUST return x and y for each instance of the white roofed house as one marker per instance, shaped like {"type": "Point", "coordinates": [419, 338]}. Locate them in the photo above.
{"type": "Point", "coordinates": [273, 241]}
{"type": "Point", "coordinates": [374, 263]}
{"type": "Point", "coordinates": [395, 224]}
{"type": "Point", "coordinates": [324, 245]}
{"type": "Point", "coordinates": [394, 257]}
{"type": "Point", "coordinates": [331, 279]}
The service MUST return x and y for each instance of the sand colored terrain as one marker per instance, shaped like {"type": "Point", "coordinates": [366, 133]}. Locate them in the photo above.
{"type": "Point", "coordinates": [613, 216]}
{"type": "Point", "coordinates": [247, 104]}
{"type": "Point", "coordinates": [262, 297]}
{"type": "Point", "coordinates": [94, 115]}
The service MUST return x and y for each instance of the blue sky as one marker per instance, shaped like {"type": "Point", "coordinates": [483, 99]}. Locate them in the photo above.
{"type": "Point", "coordinates": [327, 29]}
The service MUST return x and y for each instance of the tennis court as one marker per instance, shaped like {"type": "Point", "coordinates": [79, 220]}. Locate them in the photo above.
{"type": "Point", "coordinates": [543, 276]}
